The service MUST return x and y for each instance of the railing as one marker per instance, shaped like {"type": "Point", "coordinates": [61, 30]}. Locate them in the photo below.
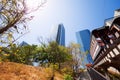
{"type": "Point", "coordinates": [95, 75]}
{"type": "Point", "coordinates": [111, 47]}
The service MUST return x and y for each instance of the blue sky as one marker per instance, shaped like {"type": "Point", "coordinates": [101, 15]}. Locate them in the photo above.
{"type": "Point", "coordinates": [75, 15]}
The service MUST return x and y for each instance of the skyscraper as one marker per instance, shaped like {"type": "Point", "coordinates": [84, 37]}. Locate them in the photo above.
{"type": "Point", "coordinates": [83, 38]}
{"type": "Point", "coordinates": [58, 34]}
{"type": "Point", "coordinates": [105, 47]}
{"type": "Point", "coordinates": [23, 43]}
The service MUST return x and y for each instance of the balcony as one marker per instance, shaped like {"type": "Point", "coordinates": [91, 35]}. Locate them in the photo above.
{"type": "Point", "coordinates": [110, 54]}
{"type": "Point", "coordinates": [100, 42]}
{"type": "Point", "coordinates": [117, 26]}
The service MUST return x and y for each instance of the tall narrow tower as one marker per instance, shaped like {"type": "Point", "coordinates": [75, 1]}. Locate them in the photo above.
{"type": "Point", "coordinates": [60, 39]}
{"type": "Point", "coordinates": [58, 34]}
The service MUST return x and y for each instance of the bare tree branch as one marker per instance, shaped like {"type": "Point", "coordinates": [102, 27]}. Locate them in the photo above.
{"type": "Point", "coordinates": [13, 15]}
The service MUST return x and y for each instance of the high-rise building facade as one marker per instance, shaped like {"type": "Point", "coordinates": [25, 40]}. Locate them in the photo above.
{"type": "Point", "coordinates": [23, 43]}
{"type": "Point", "coordinates": [61, 35]}
{"type": "Point", "coordinates": [105, 44]}
{"type": "Point", "coordinates": [58, 34]}
{"type": "Point", "coordinates": [83, 38]}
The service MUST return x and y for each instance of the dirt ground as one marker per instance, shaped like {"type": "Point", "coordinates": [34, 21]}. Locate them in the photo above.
{"type": "Point", "coordinates": [16, 71]}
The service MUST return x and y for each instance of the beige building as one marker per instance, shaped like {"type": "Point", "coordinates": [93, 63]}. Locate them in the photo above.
{"type": "Point", "coordinates": [105, 44]}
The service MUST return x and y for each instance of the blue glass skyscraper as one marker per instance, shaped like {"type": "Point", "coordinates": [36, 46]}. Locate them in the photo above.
{"type": "Point", "coordinates": [60, 39]}
{"type": "Point", "coordinates": [58, 34]}
{"type": "Point", "coordinates": [23, 43]}
{"type": "Point", "coordinates": [83, 38]}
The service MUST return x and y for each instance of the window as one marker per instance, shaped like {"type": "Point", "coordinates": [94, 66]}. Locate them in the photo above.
{"type": "Point", "coordinates": [119, 46]}
{"type": "Point", "coordinates": [104, 60]}
{"type": "Point", "coordinates": [104, 49]}
{"type": "Point", "coordinates": [111, 41]}
{"type": "Point", "coordinates": [108, 55]}
{"type": "Point", "coordinates": [107, 46]}
{"type": "Point", "coordinates": [116, 51]}
{"type": "Point", "coordinates": [117, 35]}
{"type": "Point", "coordinates": [111, 53]}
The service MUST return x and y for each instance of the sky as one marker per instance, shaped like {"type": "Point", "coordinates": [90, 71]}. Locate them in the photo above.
{"type": "Point", "coordinates": [75, 15]}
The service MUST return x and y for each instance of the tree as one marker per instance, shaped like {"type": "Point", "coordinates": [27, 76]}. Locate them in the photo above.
{"type": "Point", "coordinates": [42, 55]}
{"type": "Point", "coordinates": [57, 54]}
{"type": "Point", "coordinates": [20, 54]}
{"type": "Point", "coordinates": [54, 53]}
{"type": "Point", "coordinates": [13, 18]}
{"type": "Point", "coordinates": [74, 49]}
{"type": "Point", "coordinates": [27, 53]}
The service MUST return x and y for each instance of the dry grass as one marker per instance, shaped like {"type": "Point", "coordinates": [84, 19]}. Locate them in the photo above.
{"type": "Point", "coordinates": [16, 71]}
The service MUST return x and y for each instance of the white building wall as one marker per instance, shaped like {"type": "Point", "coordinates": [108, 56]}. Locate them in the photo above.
{"type": "Point", "coordinates": [117, 13]}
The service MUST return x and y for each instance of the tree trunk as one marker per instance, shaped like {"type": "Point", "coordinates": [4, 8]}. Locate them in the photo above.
{"type": "Point", "coordinates": [59, 66]}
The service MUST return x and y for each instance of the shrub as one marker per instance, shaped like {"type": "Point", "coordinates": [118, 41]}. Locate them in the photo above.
{"type": "Point", "coordinates": [68, 77]}
{"type": "Point", "coordinates": [67, 71]}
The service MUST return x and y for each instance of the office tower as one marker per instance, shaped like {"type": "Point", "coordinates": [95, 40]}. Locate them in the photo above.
{"type": "Point", "coordinates": [83, 38]}
{"type": "Point", "coordinates": [23, 43]}
{"type": "Point", "coordinates": [58, 34]}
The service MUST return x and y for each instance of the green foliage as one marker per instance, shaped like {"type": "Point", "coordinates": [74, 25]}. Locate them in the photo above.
{"type": "Point", "coordinates": [54, 53]}
{"type": "Point", "coordinates": [3, 55]}
{"type": "Point", "coordinates": [20, 54]}
{"type": "Point", "coordinates": [24, 54]}
{"type": "Point", "coordinates": [67, 71]}
{"type": "Point", "coordinates": [57, 53]}
{"type": "Point", "coordinates": [55, 66]}
{"type": "Point", "coordinates": [68, 77]}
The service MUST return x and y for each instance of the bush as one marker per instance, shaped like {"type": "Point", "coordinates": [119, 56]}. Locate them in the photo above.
{"type": "Point", "coordinates": [67, 71]}
{"type": "Point", "coordinates": [68, 77]}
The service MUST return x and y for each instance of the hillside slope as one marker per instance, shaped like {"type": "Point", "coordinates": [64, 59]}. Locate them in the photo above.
{"type": "Point", "coordinates": [16, 71]}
